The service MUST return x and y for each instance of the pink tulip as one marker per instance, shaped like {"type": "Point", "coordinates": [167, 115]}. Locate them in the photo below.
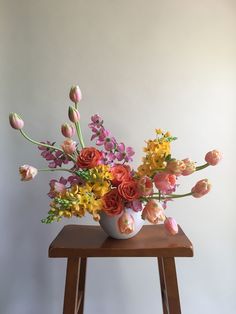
{"type": "Point", "coordinates": [27, 172]}
{"type": "Point", "coordinates": [126, 223]}
{"type": "Point", "coordinates": [69, 146]}
{"type": "Point", "coordinates": [165, 182]}
{"type": "Point", "coordinates": [171, 225]}
{"type": "Point", "coordinates": [15, 121]}
{"type": "Point", "coordinates": [75, 94]}
{"type": "Point", "coordinates": [201, 188]}
{"type": "Point", "coordinates": [175, 167]}
{"type": "Point", "coordinates": [213, 157]}
{"type": "Point", "coordinates": [190, 167]}
{"type": "Point", "coordinates": [67, 130]}
{"type": "Point", "coordinates": [145, 186]}
{"type": "Point", "coordinates": [73, 114]}
{"type": "Point", "coordinates": [153, 212]}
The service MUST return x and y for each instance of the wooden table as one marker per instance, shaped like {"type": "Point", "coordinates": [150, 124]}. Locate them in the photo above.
{"type": "Point", "coordinates": [77, 243]}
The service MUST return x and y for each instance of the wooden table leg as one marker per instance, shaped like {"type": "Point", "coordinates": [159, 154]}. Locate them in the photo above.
{"type": "Point", "coordinates": [163, 286]}
{"type": "Point", "coordinates": [171, 285]}
{"type": "Point", "coordinates": [71, 286]}
{"type": "Point", "coordinates": [82, 277]}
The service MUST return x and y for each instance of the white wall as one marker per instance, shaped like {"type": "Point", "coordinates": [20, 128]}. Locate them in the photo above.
{"type": "Point", "coordinates": [141, 65]}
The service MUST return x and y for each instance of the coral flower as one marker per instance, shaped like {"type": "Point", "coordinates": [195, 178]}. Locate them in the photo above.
{"type": "Point", "coordinates": [69, 146]}
{"type": "Point", "coordinates": [126, 223]}
{"type": "Point", "coordinates": [120, 173]}
{"type": "Point", "coordinates": [190, 167]}
{"type": "Point", "coordinates": [213, 157]}
{"type": "Point", "coordinates": [145, 186]}
{"type": "Point", "coordinates": [171, 225]}
{"type": "Point", "coordinates": [112, 203]}
{"type": "Point", "coordinates": [129, 190]}
{"type": "Point", "coordinates": [165, 182]}
{"type": "Point", "coordinates": [89, 157]}
{"type": "Point", "coordinates": [153, 212]}
{"type": "Point", "coordinates": [176, 167]}
{"type": "Point", "coordinates": [27, 172]}
{"type": "Point", "coordinates": [201, 188]}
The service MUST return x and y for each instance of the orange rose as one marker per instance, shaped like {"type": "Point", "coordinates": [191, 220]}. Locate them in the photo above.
{"type": "Point", "coordinates": [112, 203]}
{"type": "Point", "coordinates": [120, 173]}
{"type": "Point", "coordinates": [129, 190]}
{"type": "Point", "coordinates": [89, 157]}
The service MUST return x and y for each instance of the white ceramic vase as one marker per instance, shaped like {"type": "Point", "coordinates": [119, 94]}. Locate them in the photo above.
{"type": "Point", "coordinates": [110, 224]}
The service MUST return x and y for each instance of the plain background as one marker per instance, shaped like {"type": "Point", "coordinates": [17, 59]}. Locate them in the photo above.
{"type": "Point", "coordinates": [142, 65]}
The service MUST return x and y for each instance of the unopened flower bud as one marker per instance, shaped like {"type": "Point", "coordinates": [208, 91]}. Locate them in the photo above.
{"type": "Point", "coordinates": [213, 157]}
{"type": "Point", "coordinates": [15, 121]}
{"type": "Point", "coordinates": [201, 188]}
{"type": "Point", "coordinates": [171, 225]}
{"type": "Point", "coordinates": [67, 130]}
{"type": "Point", "coordinates": [75, 94]}
{"type": "Point", "coordinates": [73, 114]}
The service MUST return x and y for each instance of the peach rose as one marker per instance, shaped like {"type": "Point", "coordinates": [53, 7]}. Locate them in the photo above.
{"type": "Point", "coordinates": [129, 190]}
{"type": "Point", "coordinates": [27, 172]}
{"type": "Point", "coordinates": [112, 203]}
{"type": "Point", "coordinates": [153, 212]}
{"type": "Point", "coordinates": [89, 157]}
{"type": "Point", "coordinates": [69, 146]}
{"type": "Point", "coordinates": [120, 173]}
{"type": "Point", "coordinates": [126, 223]}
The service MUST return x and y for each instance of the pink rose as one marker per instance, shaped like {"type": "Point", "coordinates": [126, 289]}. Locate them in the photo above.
{"type": "Point", "coordinates": [126, 223]}
{"type": "Point", "coordinates": [27, 172]}
{"type": "Point", "coordinates": [165, 182]}
{"type": "Point", "coordinates": [190, 167]}
{"type": "Point", "coordinates": [145, 186]}
{"type": "Point", "coordinates": [213, 157]}
{"type": "Point", "coordinates": [69, 146]}
{"type": "Point", "coordinates": [201, 188]}
{"type": "Point", "coordinates": [153, 212]}
{"type": "Point", "coordinates": [171, 225]}
{"type": "Point", "coordinates": [175, 167]}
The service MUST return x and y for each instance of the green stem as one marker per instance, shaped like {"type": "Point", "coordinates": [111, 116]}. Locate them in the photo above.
{"type": "Point", "coordinates": [44, 145]}
{"type": "Point", "coordinates": [55, 169]}
{"type": "Point", "coordinates": [157, 196]}
{"type": "Point", "coordinates": [202, 167]}
{"type": "Point", "coordinates": [178, 195]}
{"type": "Point", "coordinates": [78, 129]}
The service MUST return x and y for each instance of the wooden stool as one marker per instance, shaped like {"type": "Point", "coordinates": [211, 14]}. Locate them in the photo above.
{"type": "Point", "coordinates": [77, 243]}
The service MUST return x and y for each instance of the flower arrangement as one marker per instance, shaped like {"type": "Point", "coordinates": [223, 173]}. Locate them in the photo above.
{"type": "Point", "coordinates": [101, 180]}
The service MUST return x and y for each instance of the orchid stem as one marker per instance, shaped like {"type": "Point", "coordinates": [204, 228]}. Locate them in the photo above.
{"type": "Point", "coordinates": [44, 145]}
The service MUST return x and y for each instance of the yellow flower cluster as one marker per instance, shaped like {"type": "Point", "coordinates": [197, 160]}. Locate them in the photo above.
{"type": "Point", "coordinates": [156, 152]}
{"type": "Point", "coordinates": [78, 200]}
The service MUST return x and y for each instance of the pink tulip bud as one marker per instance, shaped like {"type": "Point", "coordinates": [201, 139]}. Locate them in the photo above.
{"type": "Point", "coordinates": [27, 172]}
{"type": "Point", "coordinates": [126, 223]}
{"type": "Point", "coordinates": [190, 167]}
{"type": "Point", "coordinates": [213, 157]}
{"type": "Point", "coordinates": [69, 146]}
{"type": "Point", "coordinates": [201, 188]}
{"type": "Point", "coordinates": [75, 94]}
{"type": "Point", "coordinates": [153, 212]}
{"type": "Point", "coordinates": [73, 114]}
{"type": "Point", "coordinates": [171, 225]}
{"type": "Point", "coordinates": [67, 130]}
{"type": "Point", "coordinates": [175, 167]}
{"type": "Point", "coordinates": [15, 121]}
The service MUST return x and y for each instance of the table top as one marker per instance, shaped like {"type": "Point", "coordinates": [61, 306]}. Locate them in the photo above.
{"type": "Point", "coordinates": [91, 241]}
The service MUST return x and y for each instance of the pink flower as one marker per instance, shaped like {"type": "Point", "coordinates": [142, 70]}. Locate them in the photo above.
{"type": "Point", "coordinates": [67, 130]}
{"type": "Point", "coordinates": [75, 94]}
{"type": "Point", "coordinates": [165, 182]}
{"type": "Point", "coordinates": [171, 225]}
{"type": "Point", "coordinates": [201, 188]}
{"type": "Point", "coordinates": [136, 205]}
{"type": "Point", "coordinates": [69, 146]}
{"type": "Point", "coordinates": [153, 212]}
{"type": "Point", "coordinates": [213, 157]}
{"type": "Point", "coordinates": [27, 172]}
{"type": "Point", "coordinates": [145, 186]}
{"type": "Point", "coordinates": [175, 167]}
{"type": "Point", "coordinates": [190, 167]}
{"type": "Point", "coordinates": [57, 187]}
{"type": "Point", "coordinates": [124, 153]}
{"type": "Point", "coordinates": [73, 114]}
{"type": "Point", "coordinates": [15, 121]}
{"type": "Point", "coordinates": [126, 223]}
